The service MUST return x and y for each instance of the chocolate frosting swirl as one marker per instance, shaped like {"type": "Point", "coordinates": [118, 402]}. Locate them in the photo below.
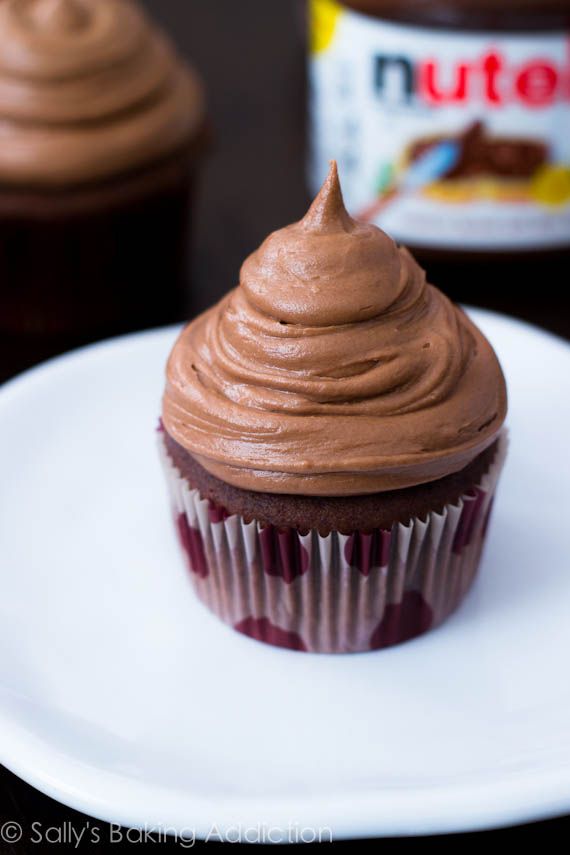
{"type": "Point", "coordinates": [333, 369]}
{"type": "Point", "coordinates": [88, 88]}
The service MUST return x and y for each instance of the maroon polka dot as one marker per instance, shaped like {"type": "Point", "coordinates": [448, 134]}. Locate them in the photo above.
{"type": "Point", "coordinates": [191, 541]}
{"type": "Point", "coordinates": [402, 621]}
{"type": "Point", "coordinates": [282, 553]}
{"type": "Point", "coordinates": [263, 630]}
{"type": "Point", "coordinates": [216, 513]}
{"type": "Point", "coordinates": [385, 539]}
{"type": "Point", "coordinates": [364, 551]}
{"type": "Point", "coordinates": [467, 520]}
{"type": "Point", "coordinates": [487, 518]}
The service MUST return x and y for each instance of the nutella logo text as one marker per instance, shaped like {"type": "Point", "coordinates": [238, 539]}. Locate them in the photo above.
{"type": "Point", "coordinates": [489, 78]}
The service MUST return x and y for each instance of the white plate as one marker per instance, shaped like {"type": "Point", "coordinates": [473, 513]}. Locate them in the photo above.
{"type": "Point", "coordinates": [123, 697]}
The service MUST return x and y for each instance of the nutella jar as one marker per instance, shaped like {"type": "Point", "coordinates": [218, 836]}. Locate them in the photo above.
{"type": "Point", "coordinates": [450, 120]}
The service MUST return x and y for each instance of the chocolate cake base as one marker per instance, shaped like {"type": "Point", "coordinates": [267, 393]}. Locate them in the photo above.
{"type": "Point", "coordinates": [82, 263]}
{"type": "Point", "coordinates": [344, 514]}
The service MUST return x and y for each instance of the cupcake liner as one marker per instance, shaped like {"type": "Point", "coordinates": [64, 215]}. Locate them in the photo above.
{"type": "Point", "coordinates": [335, 593]}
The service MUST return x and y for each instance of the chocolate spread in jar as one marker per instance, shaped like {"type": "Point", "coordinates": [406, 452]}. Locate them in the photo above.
{"type": "Point", "coordinates": [480, 154]}
{"type": "Point", "coordinates": [449, 121]}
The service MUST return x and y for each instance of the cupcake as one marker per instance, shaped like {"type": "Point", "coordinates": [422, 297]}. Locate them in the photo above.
{"type": "Point", "coordinates": [332, 438]}
{"type": "Point", "coordinates": [102, 126]}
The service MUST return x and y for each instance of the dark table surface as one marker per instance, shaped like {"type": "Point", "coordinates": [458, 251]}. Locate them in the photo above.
{"type": "Point", "coordinates": [251, 55]}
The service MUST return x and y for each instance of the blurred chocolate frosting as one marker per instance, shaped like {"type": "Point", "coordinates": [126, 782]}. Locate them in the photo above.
{"type": "Point", "coordinates": [333, 369]}
{"type": "Point", "coordinates": [88, 89]}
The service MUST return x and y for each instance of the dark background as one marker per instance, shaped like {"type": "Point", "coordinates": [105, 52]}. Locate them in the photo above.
{"type": "Point", "coordinates": [252, 56]}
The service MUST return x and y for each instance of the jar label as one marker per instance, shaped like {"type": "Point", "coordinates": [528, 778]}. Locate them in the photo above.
{"type": "Point", "coordinates": [445, 139]}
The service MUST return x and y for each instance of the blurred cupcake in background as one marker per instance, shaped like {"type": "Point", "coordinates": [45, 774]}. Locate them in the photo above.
{"type": "Point", "coordinates": [332, 439]}
{"type": "Point", "coordinates": [101, 128]}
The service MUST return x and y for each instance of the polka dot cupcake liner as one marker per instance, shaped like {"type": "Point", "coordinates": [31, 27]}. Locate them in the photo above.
{"type": "Point", "coordinates": [335, 593]}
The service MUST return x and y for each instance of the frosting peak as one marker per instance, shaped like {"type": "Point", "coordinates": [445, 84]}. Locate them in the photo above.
{"type": "Point", "coordinates": [58, 15]}
{"type": "Point", "coordinates": [88, 88]}
{"type": "Point", "coordinates": [333, 368]}
{"type": "Point", "coordinates": [326, 269]}
{"type": "Point", "coordinates": [327, 213]}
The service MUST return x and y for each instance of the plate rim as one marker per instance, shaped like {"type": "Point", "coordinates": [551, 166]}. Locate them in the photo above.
{"type": "Point", "coordinates": [484, 805]}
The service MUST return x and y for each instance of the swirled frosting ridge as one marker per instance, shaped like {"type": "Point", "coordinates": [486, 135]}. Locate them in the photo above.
{"type": "Point", "coordinates": [333, 368]}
